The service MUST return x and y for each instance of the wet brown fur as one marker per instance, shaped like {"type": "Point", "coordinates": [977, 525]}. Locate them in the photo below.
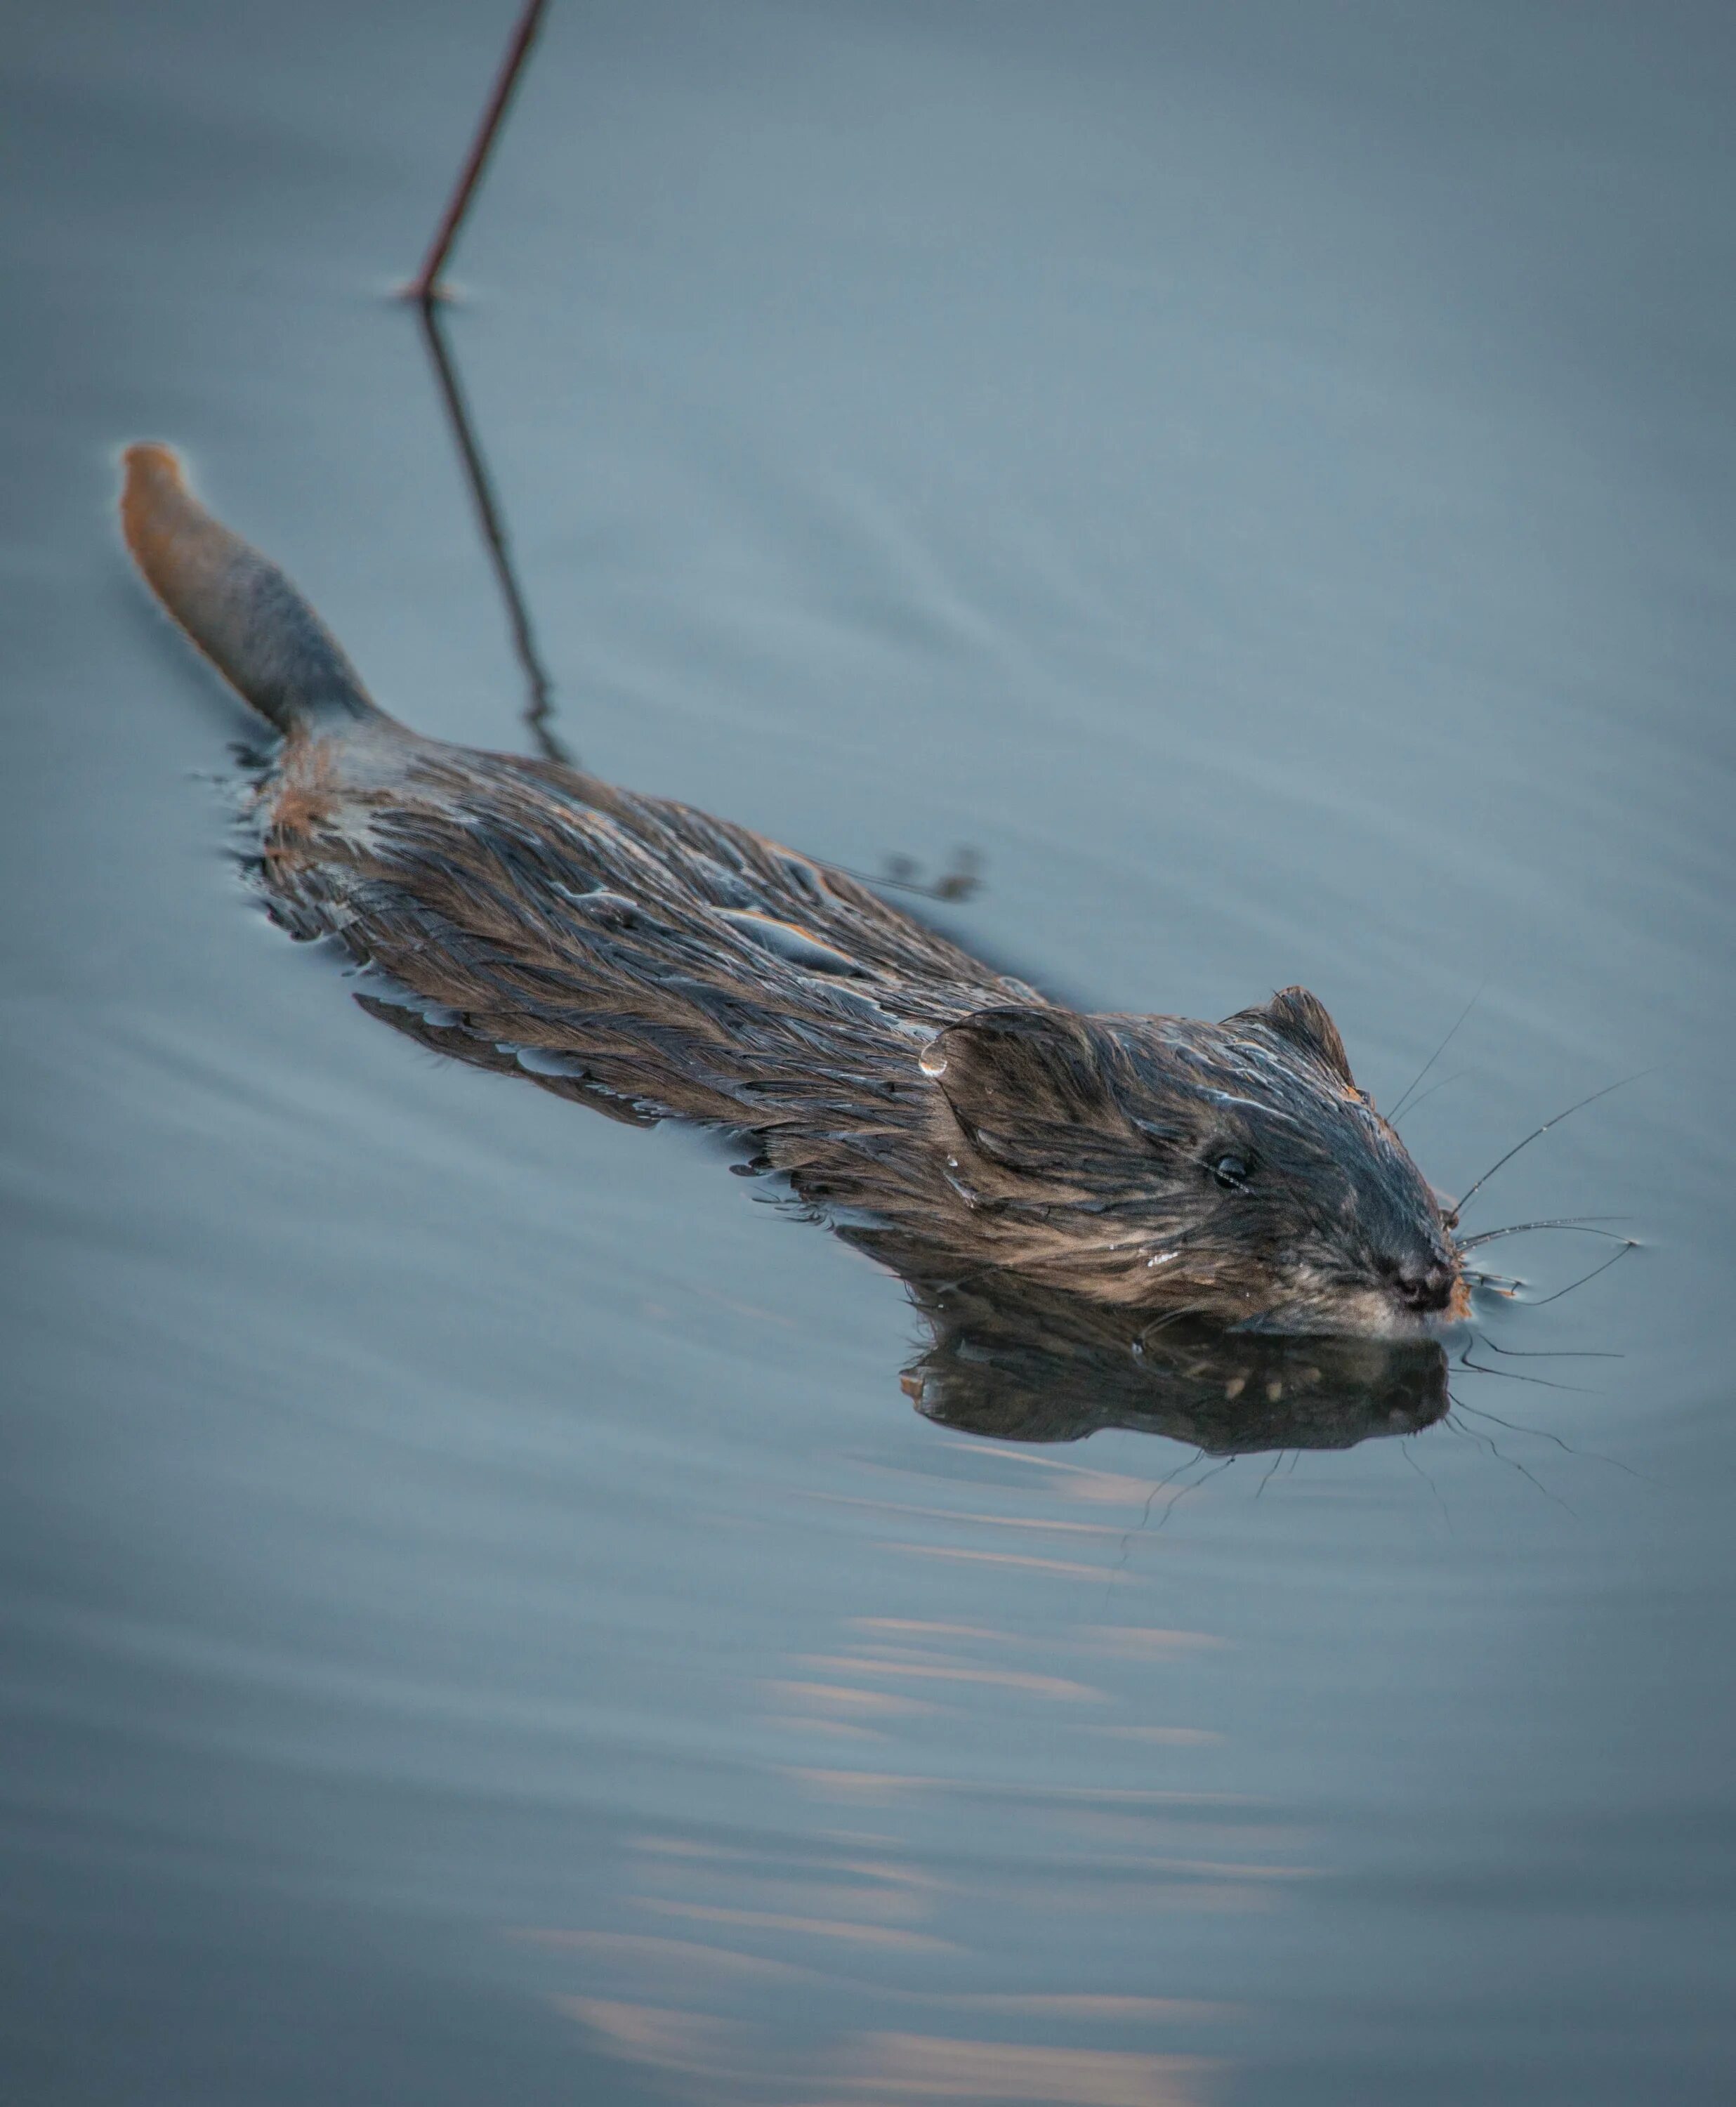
{"type": "Point", "coordinates": [636, 954]}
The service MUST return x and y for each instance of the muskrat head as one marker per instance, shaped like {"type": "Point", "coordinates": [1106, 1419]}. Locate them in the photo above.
{"type": "Point", "coordinates": [1234, 1170]}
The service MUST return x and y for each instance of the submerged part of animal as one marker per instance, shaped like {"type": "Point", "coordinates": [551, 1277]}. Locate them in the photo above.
{"type": "Point", "coordinates": [640, 955]}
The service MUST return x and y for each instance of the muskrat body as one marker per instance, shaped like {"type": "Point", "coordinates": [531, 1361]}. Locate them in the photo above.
{"type": "Point", "coordinates": [636, 954]}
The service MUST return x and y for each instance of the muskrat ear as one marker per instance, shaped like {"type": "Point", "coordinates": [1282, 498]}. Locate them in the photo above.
{"type": "Point", "coordinates": [1302, 1018]}
{"type": "Point", "coordinates": [1008, 1074]}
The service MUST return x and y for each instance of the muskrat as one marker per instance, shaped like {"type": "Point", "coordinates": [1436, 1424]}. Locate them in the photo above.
{"type": "Point", "coordinates": [636, 954]}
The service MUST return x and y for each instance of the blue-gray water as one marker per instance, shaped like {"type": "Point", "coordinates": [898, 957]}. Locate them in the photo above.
{"type": "Point", "coordinates": [482, 1619]}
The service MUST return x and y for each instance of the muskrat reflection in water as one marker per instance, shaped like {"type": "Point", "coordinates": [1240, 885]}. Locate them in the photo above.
{"type": "Point", "coordinates": [637, 955]}
{"type": "Point", "coordinates": [1024, 1363]}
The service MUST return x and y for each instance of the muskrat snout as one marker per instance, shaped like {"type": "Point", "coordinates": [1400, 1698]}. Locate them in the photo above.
{"type": "Point", "coordinates": [1233, 1170]}
{"type": "Point", "coordinates": [1425, 1291]}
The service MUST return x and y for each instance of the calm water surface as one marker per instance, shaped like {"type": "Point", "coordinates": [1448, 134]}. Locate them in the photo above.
{"type": "Point", "coordinates": [484, 1619]}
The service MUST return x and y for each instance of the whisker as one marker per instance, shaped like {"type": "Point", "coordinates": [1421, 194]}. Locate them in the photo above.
{"type": "Point", "coordinates": [1404, 1450]}
{"type": "Point", "coordinates": [1512, 1462]}
{"type": "Point", "coordinates": [961, 882]}
{"type": "Point", "coordinates": [1158, 1486]}
{"type": "Point", "coordinates": [1543, 1434]}
{"type": "Point", "coordinates": [1457, 1075]}
{"type": "Point", "coordinates": [1170, 1316]}
{"type": "Point", "coordinates": [1181, 1493]}
{"type": "Point", "coordinates": [1631, 1244]}
{"type": "Point", "coordinates": [1466, 1198]}
{"type": "Point", "coordinates": [1439, 1050]}
{"type": "Point", "coordinates": [1164, 1484]}
{"type": "Point", "coordinates": [1548, 1353]}
{"type": "Point", "coordinates": [1512, 1375]}
{"type": "Point", "coordinates": [1576, 1223]}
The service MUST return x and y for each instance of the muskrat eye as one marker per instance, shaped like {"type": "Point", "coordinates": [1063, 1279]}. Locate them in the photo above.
{"type": "Point", "coordinates": [1230, 1172]}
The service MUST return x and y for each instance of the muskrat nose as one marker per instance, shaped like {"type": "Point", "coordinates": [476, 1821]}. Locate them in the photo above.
{"type": "Point", "coordinates": [1423, 1288]}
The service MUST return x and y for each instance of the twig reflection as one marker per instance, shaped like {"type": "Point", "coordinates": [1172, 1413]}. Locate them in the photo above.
{"type": "Point", "coordinates": [426, 292]}
{"type": "Point", "coordinates": [961, 880]}
{"type": "Point", "coordinates": [540, 708]}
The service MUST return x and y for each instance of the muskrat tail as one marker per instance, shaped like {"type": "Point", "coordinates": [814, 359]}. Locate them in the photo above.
{"type": "Point", "coordinates": [236, 604]}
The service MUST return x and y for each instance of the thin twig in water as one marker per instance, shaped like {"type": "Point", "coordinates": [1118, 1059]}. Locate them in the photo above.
{"type": "Point", "coordinates": [426, 292]}
{"type": "Point", "coordinates": [425, 287]}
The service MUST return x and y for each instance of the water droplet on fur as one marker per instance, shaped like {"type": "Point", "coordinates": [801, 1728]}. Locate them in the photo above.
{"type": "Point", "coordinates": [381, 987]}
{"type": "Point", "coordinates": [799, 946]}
{"type": "Point", "coordinates": [613, 910]}
{"type": "Point", "coordinates": [544, 1061]}
{"type": "Point", "coordinates": [931, 1061]}
{"type": "Point", "coordinates": [1162, 1258]}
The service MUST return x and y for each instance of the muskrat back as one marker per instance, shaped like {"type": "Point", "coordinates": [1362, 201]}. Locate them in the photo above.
{"type": "Point", "coordinates": [640, 955]}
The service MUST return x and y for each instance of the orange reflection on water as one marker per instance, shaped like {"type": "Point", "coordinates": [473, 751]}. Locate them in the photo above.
{"type": "Point", "coordinates": [884, 2068]}
{"type": "Point", "coordinates": [800, 1927]}
{"type": "Point", "coordinates": [1069, 1481]}
{"type": "Point", "coordinates": [1117, 1641]}
{"type": "Point", "coordinates": [695, 2043]}
{"type": "Point", "coordinates": [836, 1730]}
{"type": "Point", "coordinates": [846, 1696]}
{"type": "Point", "coordinates": [1088, 2006]}
{"type": "Point", "coordinates": [1174, 1737]}
{"type": "Point", "coordinates": [930, 1669]}
{"type": "Point", "coordinates": [680, 1958]}
{"type": "Point", "coordinates": [871, 1900]}
{"type": "Point", "coordinates": [1063, 1569]}
{"type": "Point", "coordinates": [858, 1788]}
{"type": "Point", "coordinates": [927, 1629]}
{"type": "Point", "coordinates": [1044, 1522]}
{"type": "Point", "coordinates": [866, 1936]}
{"type": "Point", "coordinates": [880, 1787]}
{"type": "Point", "coordinates": [904, 2067]}
{"type": "Point", "coordinates": [1141, 1641]}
